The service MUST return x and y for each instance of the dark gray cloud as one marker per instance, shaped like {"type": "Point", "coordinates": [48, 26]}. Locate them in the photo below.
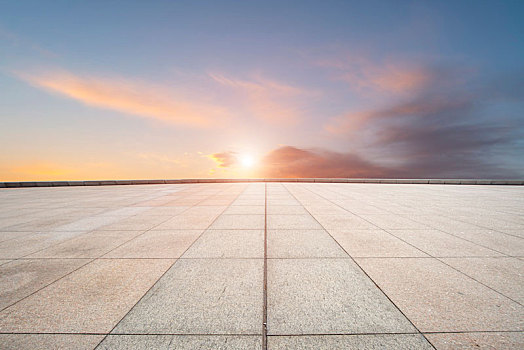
{"type": "Point", "coordinates": [451, 126]}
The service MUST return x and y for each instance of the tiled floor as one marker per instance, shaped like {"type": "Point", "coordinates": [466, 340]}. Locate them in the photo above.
{"type": "Point", "coordinates": [204, 266]}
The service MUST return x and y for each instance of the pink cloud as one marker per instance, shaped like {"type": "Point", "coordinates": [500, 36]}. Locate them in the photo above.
{"type": "Point", "coordinates": [366, 75]}
{"type": "Point", "coordinates": [130, 97]}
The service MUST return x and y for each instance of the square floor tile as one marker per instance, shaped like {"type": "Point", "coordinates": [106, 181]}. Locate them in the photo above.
{"type": "Point", "coordinates": [344, 222]}
{"type": "Point", "coordinates": [292, 222]}
{"type": "Point", "coordinates": [302, 244]}
{"type": "Point", "coordinates": [372, 341]}
{"type": "Point", "coordinates": [228, 244]}
{"type": "Point", "coordinates": [49, 341]}
{"type": "Point", "coordinates": [90, 300]}
{"type": "Point", "coordinates": [157, 244]}
{"type": "Point", "coordinates": [181, 342]}
{"type": "Point", "coordinates": [505, 275]}
{"type": "Point", "coordinates": [440, 244]}
{"type": "Point", "coordinates": [374, 243]}
{"type": "Point", "coordinates": [239, 222]}
{"type": "Point", "coordinates": [491, 340]}
{"type": "Point", "coordinates": [202, 296]}
{"type": "Point", "coordinates": [323, 296]}
{"type": "Point", "coordinates": [20, 278]}
{"type": "Point", "coordinates": [436, 298]}
{"type": "Point", "coordinates": [89, 245]}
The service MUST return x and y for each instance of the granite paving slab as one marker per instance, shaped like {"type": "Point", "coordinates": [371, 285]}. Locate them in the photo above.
{"type": "Point", "coordinates": [228, 244]}
{"type": "Point", "coordinates": [156, 244]}
{"type": "Point", "coordinates": [327, 296]}
{"type": "Point", "coordinates": [20, 278]}
{"type": "Point", "coordinates": [302, 244]}
{"type": "Point", "coordinates": [374, 243]}
{"type": "Point", "coordinates": [49, 341]}
{"type": "Point", "coordinates": [505, 275]}
{"type": "Point", "coordinates": [201, 296]}
{"type": "Point", "coordinates": [181, 342]}
{"type": "Point", "coordinates": [88, 245]}
{"type": "Point", "coordinates": [364, 342]}
{"type": "Point", "coordinates": [90, 300]}
{"type": "Point", "coordinates": [437, 298]}
{"type": "Point", "coordinates": [477, 340]}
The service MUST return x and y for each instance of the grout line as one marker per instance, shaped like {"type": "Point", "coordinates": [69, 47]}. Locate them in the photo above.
{"type": "Point", "coordinates": [169, 268]}
{"type": "Point", "coordinates": [9, 260]}
{"type": "Point", "coordinates": [264, 317]}
{"type": "Point", "coordinates": [258, 335]}
{"type": "Point", "coordinates": [365, 273]}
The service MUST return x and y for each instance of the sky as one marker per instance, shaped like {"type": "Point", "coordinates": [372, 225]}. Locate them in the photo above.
{"type": "Point", "coordinates": [236, 89]}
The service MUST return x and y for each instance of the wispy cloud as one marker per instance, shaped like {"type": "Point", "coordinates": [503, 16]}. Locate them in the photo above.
{"type": "Point", "coordinates": [268, 100]}
{"type": "Point", "coordinates": [130, 97]}
{"type": "Point", "coordinates": [365, 75]}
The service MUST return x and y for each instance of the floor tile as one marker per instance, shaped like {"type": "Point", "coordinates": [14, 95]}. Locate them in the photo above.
{"type": "Point", "coordinates": [49, 341]}
{"type": "Point", "coordinates": [440, 244]}
{"type": "Point", "coordinates": [89, 245]}
{"type": "Point", "coordinates": [292, 222]}
{"type": "Point", "coordinates": [390, 221]}
{"type": "Point", "coordinates": [20, 278]}
{"type": "Point", "coordinates": [181, 342]}
{"type": "Point", "coordinates": [228, 244]}
{"type": "Point", "coordinates": [236, 222]}
{"type": "Point", "coordinates": [302, 244]}
{"type": "Point", "coordinates": [467, 341]}
{"type": "Point", "coordinates": [505, 244]}
{"type": "Point", "coordinates": [344, 222]}
{"type": "Point", "coordinates": [245, 209]}
{"type": "Point", "coordinates": [157, 244]}
{"type": "Point", "coordinates": [374, 341]}
{"type": "Point", "coordinates": [374, 243]}
{"type": "Point", "coordinates": [435, 297]}
{"type": "Point", "coordinates": [183, 222]}
{"type": "Point", "coordinates": [217, 296]}
{"type": "Point", "coordinates": [505, 275]}
{"type": "Point", "coordinates": [90, 300]}
{"type": "Point", "coordinates": [23, 246]}
{"type": "Point", "coordinates": [327, 296]}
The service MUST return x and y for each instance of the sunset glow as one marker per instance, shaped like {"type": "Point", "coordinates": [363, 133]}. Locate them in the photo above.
{"type": "Point", "coordinates": [247, 161]}
{"type": "Point", "coordinates": [203, 89]}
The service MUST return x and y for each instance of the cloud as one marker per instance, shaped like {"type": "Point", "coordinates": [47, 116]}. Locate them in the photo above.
{"type": "Point", "coordinates": [291, 161]}
{"type": "Point", "coordinates": [130, 97]}
{"type": "Point", "coordinates": [268, 100]}
{"type": "Point", "coordinates": [365, 75]}
{"type": "Point", "coordinates": [225, 159]}
{"type": "Point", "coordinates": [455, 125]}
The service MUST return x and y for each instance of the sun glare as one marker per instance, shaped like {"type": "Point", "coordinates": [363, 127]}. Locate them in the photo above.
{"type": "Point", "coordinates": [247, 161]}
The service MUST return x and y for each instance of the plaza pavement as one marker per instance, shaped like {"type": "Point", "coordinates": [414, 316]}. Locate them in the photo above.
{"type": "Point", "coordinates": [262, 265]}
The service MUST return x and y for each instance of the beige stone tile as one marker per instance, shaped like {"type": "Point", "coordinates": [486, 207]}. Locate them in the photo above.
{"type": "Point", "coordinates": [435, 297]}
{"type": "Point", "coordinates": [90, 300]}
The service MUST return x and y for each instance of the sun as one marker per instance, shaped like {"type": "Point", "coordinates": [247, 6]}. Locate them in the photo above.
{"type": "Point", "coordinates": [247, 161]}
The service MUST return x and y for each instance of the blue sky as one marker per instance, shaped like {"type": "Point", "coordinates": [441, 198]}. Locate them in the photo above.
{"type": "Point", "coordinates": [163, 89]}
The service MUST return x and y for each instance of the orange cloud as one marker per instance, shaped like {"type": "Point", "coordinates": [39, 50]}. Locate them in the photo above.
{"type": "Point", "coordinates": [225, 159]}
{"type": "Point", "coordinates": [268, 100]}
{"type": "Point", "coordinates": [131, 97]}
